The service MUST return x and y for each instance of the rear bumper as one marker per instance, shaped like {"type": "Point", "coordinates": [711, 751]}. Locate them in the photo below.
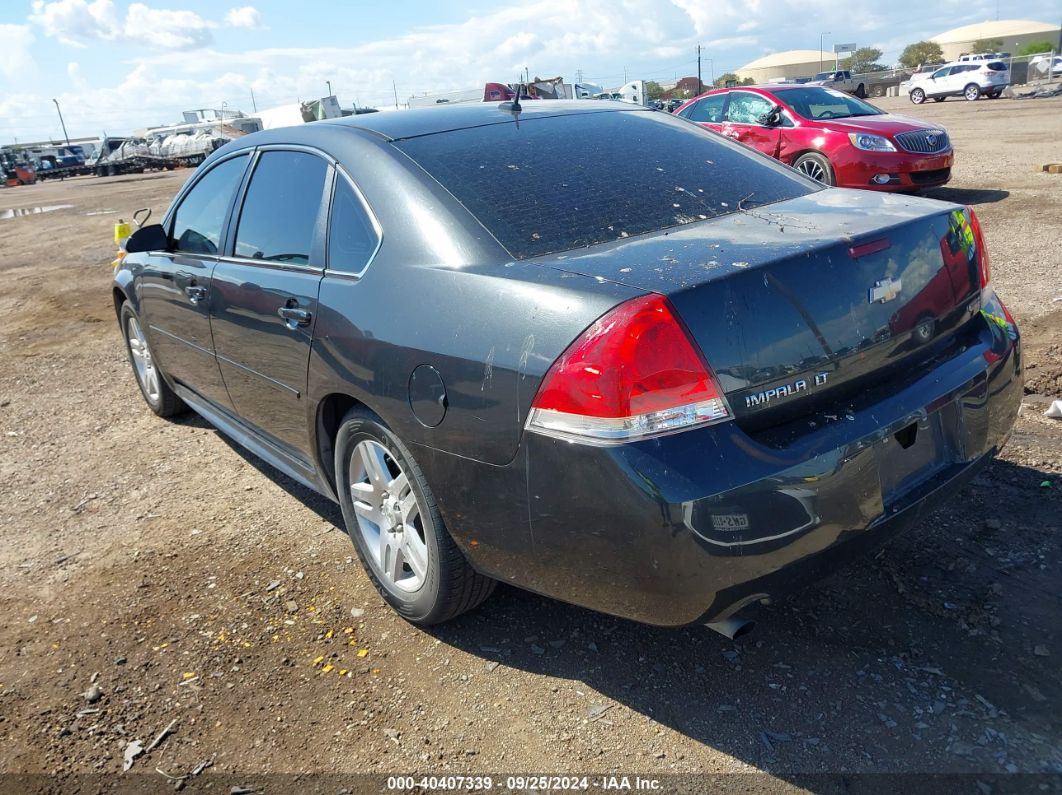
{"type": "Point", "coordinates": [692, 527]}
{"type": "Point", "coordinates": [906, 170]}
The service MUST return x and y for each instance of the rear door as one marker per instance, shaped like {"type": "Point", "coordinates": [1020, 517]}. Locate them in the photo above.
{"type": "Point", "coordinates": [175, 284]}
{"type": "Point", "coordinates": [709, 112]}
{"type": "Point", "coordinates": [264, 296]}
{"type": "Point", "coordinates": [743, 123]}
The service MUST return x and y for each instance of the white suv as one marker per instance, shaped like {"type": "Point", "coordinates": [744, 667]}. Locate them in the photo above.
{"type": "Point", "coordinates": [970, 79]}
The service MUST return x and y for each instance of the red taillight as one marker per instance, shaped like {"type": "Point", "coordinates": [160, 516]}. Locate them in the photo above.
{"type": "Point", "coordinates": [984, 264]}
{"type": "Point", "coordinates": [633, 373]}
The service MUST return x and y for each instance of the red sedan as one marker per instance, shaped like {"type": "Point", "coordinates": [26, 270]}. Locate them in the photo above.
{"type": "Point", "coordinates": [830, 136]}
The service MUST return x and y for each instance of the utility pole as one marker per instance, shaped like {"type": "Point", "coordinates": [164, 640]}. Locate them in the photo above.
{"type": "Point", "coordinates": [60, 112]}
{"type": "Point", "coordinates": [700, 84]}
{"type": "Point", "coordinates": [395, 89]}
{"type": "Point", "coordinates": [827, 33]}
{"type": "Point", "coordinates": [253, 104]}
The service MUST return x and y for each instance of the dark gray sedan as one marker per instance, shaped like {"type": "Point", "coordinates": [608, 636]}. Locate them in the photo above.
{"type": "Point", "coordinates": [587, 349]}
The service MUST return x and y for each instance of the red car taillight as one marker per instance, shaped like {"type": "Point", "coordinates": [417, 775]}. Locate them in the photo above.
{"type": "Point", "coordinates": [634, 373]}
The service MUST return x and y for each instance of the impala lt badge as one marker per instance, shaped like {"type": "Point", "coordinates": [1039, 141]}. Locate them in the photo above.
{"type": "Point", "coordinates": [884, 291]}
{"type": "Point", "coordinates": [783, 391]}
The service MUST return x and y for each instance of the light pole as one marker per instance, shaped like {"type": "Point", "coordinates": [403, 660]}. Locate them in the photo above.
{"type": "Point", "coordinates": [825, 33]}
{"type": "Point", "coordinates": [329, 84]}
{"type": "Point", "coordinates": [60, 112]}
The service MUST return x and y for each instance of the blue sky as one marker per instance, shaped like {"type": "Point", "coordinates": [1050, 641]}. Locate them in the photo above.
{"type": "Point", "coordinates": [115, 65]}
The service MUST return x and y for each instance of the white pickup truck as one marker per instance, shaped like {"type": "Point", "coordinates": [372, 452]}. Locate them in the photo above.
{"type": "Point", "coordinates": [841, 80]}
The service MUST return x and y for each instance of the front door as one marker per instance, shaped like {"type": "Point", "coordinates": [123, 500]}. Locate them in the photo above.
{"type": "Point", "coordinates": [744, 122]}
{"type": "Point", "coordinates": [264, 296]}
{"type": "Point", "coordinates": [175, 284]}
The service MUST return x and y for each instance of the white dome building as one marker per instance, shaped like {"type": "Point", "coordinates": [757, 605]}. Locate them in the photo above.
{"type": "Point", "coordinates": [788, 65]}
{"type": "Point", "coordinates": [1014, 33]}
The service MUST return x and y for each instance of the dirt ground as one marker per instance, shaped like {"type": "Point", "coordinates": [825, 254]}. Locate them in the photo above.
{"type": "Point", "coordinates": [192, 583]}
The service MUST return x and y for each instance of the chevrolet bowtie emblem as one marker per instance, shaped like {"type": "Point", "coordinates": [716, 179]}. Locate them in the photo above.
{"type": "Point", "coordinates": [884, 290]}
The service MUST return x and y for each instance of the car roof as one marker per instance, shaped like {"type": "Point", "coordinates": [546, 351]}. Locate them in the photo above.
{"type": "Point", "coordinates": [416, 122]}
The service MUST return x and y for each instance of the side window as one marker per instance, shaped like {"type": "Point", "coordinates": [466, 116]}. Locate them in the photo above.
{"type": "Point", "coordinates": [709, 109]}
{"type": "Point", "coordinates": [282, 206]}
{"type": "Point", "coordinates": [352, 239]}
{"type": "Point", "coordinates": [940, 73]}
{"type": "Point", "coordinates": [199, 219]}
{"type": "Point", "coordinates": [747, 108]}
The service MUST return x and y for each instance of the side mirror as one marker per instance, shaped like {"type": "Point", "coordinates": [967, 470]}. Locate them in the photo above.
{"type": "Point", "coordinates": [771, 119]}
{"type": "Point", "coordinates": [148, 238]}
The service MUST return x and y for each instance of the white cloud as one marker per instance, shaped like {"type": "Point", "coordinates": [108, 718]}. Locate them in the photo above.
{"type": "Point", "coordinates": [172, 30]}
{"type": "Point", "coordinates": [243, 17]}
{"type": "Point", "coordinates": [78, 22]}
{"type": "Point", "coordinates": [16, 62]}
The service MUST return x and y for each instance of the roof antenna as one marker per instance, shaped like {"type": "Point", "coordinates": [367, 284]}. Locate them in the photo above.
{"type": "Point", "coordinates": [515, 107]}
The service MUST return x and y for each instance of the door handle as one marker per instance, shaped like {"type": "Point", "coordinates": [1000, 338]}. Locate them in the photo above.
{"type": "Point", "coordinates": [294, 316]}
{"type": "Point", "coordinates": [195, 293]}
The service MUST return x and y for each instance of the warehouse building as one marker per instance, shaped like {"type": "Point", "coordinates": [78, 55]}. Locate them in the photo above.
{"type": "Point", "coordinates": [1012, 33]}
{"type": "Point", "coordinates": [788, 65]}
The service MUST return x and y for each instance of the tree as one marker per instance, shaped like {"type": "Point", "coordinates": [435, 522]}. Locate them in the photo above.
{"type": "Point", "coordinates": [653, 89]}
{"type": "Point", "coordinates": [921, 52]}
{"type": "Point", "coordinates": [865, 59]}
{"type": "Point", "coordinates": [1036, 48]}
{"type": "Point", "coordinates": [987, 45]}
{"type": "Point", "coordinates": [727, 77]}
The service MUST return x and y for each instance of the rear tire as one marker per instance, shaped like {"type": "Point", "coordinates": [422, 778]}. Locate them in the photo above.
{"type": "Point", "coordinates": [816, 166]}
{"type": "Point", "coordinates": [161, 399]}
{"type": "Point", "coordinates": [396, 526]}
{"type": "Point", "coordinates": [918, 96]}
{"type": "Point", "coordinates": [972, 92]}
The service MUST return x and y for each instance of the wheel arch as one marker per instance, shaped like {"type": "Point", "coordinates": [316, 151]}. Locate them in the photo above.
{"type": "Point", "coordinates": [330, 411]}
{"type": "Point", "coordinates": [119, 296]}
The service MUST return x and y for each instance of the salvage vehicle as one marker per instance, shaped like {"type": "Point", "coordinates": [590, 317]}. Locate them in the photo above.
{"type": "Point", "coordinates": [830, 136]}
{"type": "Point", "coordinates": [668, 380]}
{"type": "Point", "coordinates": [969, 79]}
{"type": "Point", "coordinates": [16, 171]}
{"type": "Point", "coordinates": [841, 80]}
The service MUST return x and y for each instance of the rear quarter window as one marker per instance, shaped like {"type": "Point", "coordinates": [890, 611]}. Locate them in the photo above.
{"type": "Point", "coordinates": [997, 66]}
{"type": "Point", "coordinates": [563, 182]}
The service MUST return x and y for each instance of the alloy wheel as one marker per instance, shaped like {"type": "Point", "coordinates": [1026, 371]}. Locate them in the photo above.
{"type": "Point", "coordinates": [146, 372]}
{"type": "Point", "coordinates": [972, 93]}
{"type": "Point", "coordinates": [813, 170]}
{"type": "Point", "coordinates": [389, 517]}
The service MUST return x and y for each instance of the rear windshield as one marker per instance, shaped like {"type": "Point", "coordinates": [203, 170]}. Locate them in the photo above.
{"type": "Point", "coordinates": [562, 182]}
{"type": "Point", "coordinates": [997, 66]}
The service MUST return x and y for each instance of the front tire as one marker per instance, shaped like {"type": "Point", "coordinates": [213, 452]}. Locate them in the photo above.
{"type": "Point", "coordinates": [816, 166]}
{"type": "Point", "coordinates": [161, 399]}
{"type": "Point", "coordinates": [861, 91]}
{"type": "Point", "coordinates": [971, 92]}
{"type": "Point", "coordinates": [395, 525]}
{"type": "Point", "coordinates": [918, 96]}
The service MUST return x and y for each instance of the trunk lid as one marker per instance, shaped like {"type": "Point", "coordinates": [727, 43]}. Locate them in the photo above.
{"type": "Point", "coordinates": [807, 300]}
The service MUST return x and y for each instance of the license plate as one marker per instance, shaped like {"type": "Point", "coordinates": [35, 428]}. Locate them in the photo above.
{"type": "Point", "coordinates": [730, 522]}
